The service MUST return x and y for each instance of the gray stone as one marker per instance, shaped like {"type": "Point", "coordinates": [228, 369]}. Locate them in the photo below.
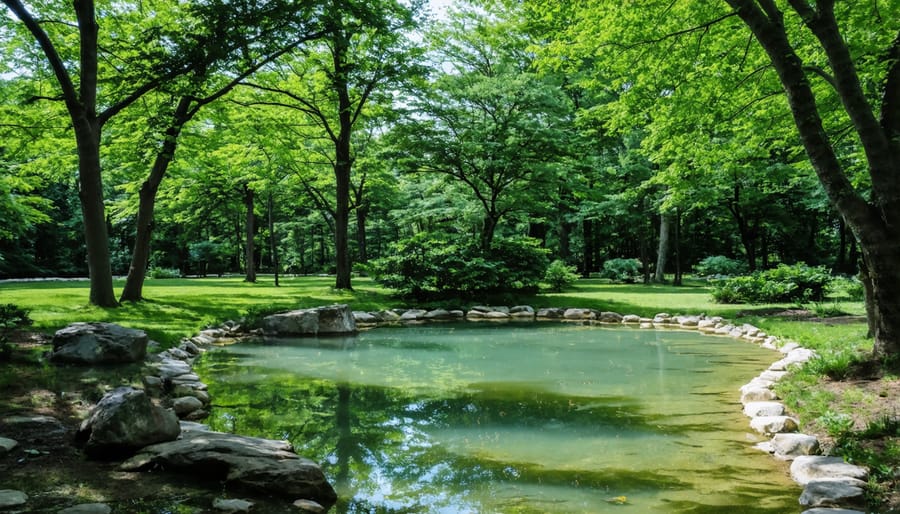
{"type": "Point", "coordinates": [807, 468]}
{"type": "Point", "coordinates": [795, 357]}
{"type": "Point", "coordinates": [388, 316]}
{"type": "Point", "coordinates": [258, 464]}
{"type": "Point", "coordinates": [294, 323]}
{"type": "Point", "coordinates": [521, 308]}
{"type": "Point", "coordinates": [457, 314]}
{"type": "Point", "coordinates": [186, 405]}
{"type": "Point", "coordinates": [631, 318]}
{"type": "Point", "coordinates": [232, 505]}
{"type": "Point", "coordinates": [7, 444]}
{"type": "Point", "coordinates": [309, 506]}
{"type": "Point", "coordinates": [190, 348]}
{"type": "Point", "coordinates": [833, 493]}
{"type": "Point", "coordinates": [98, 343]}
{"type": "Point", "coordinates": [87, 508]}
{"type": "Point", "coordinates": [550, 312]}
{"type": "Point", "coordinates": [522, 315]}
{"type": "Point", "coordinates": [124, 420]}
{"type": "Point", "coordinates": [413, 315]}
{"type": "Point", "coordinates": [757, 409]}
{"type": "Point", "coordinates": [336, 319]}
{"type": "Point", "coordinates": [171, 368]}
{"type": "Point", "coordinates": [499, 308]}
{"type": "Point", "coordinates": [610, 317]}
{"type": "Point", "coordinates": [193, 426]}
{"type": "Point", "coordinates": [769, 425]}
{"type": "Point", "coordinates": [496, 315]}
{"type": "Point", "coordinates": [579, 314]}
{"type": "Point", "coordinates": [476, 314]}
{"type": "Point", "coordinates": [790, 446]}
{"type": "Point", "coordinates": [757, 394]}
{"type": "Point", "coordinates": [12, 498]}
{"type": "Point", "coordinates": [177, 353]}
{"type": "Point", "coordinates": [688, 321]}
{"type": "Point", "coordinates": [364, 317]}
{"type": "Point", "coordinates": [437, 314]}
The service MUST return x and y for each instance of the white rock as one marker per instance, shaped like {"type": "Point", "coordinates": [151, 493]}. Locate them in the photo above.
{"type": "Point", "coordinates": [631, 318]}
{"type": "Point", "coordinates": [769, 425]}
{"type": "Point", "coordinates": [758, 394]}
{"type": "Point", "coordinates": [87, 508]}
{"type": "Point", "coordinates": [790, 446]}
{"type": "Point", "coordinates": [413, 314]}
{"type": "Point", "coordinates": [7, 444]}
{"type": "Point", "coordinates": [232, 505]}
{"type": "Point", "coordinates": [309, 506]}
{"type": "Point", "coordinates": [805, 469]}
{"type": "Point", "coordinates": [11, 498]}
{"type": "Point", "coordinates": [757, 409]}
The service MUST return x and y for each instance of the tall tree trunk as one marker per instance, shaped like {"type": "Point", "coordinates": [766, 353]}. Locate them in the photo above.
{"type": "Point", "coordinates": [678, 275]}
{"type": "Point", "coordinates": [90, 192]}
{"type": "Point", "coordinates": [587, 229]}
{"type": "Point", "coordinates": [250, 230]}
{"type": "Point", "coordinates": [272, 239]}
{"type": "Point", "coordinates": [662, 251]}
{"type": "Point", "coordinates": [343, 162]}
{"type": "Point", "coordinates": [362, 213]}
{"type": "Point", "coordinates": [140, 255]}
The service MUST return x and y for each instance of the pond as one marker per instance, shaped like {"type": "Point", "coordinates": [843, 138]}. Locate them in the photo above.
{"type": "Point", "coordinates": [510, 418]}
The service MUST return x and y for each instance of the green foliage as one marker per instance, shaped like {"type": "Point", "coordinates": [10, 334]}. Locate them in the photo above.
{"type": "Point", "coordinates": [427, 265]}
{"type": "Point", "coordinates": [560, 275]}
{"type": "Point", "coordinates": [786, 283]}
{"type": "Point", "coordinates": [209, 257]}
{"type": "Point", "coordinates": [11, 317]}
{"type": "Point", "coordinates": [621, 270]}
{"type": "Point", "coordinates": [160, 273]}
{"type": "Point", "coordinates": [719, 266]}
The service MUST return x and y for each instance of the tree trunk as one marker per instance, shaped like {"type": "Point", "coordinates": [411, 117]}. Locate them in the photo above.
{"type": "Point", "coordinates": [250, 229]}
{"type": "Point", "coordinates": [140, 254]}
{"type": "Point", "coordinates": [272, 239]}
{"type": "Point", "coordinates": [362, 213]}
{"type": "Point", "coordinates": [488, 227]}
{"type": "Point", "coordinates": [90, 192]}
{"type": "Point", "coordinates": [662, 252]}
{"type": "Point", "coordinates": [678, 275]}
{"type": "Point", "coordinates": [343, 162]}
{"type": "Point", "coordinates": [587, 228]}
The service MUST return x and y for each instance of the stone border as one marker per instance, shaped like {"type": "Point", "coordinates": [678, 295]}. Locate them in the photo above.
{"type": "Point", "coordinates": [829, 484]}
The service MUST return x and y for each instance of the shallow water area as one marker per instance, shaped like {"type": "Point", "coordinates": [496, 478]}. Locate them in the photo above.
{"type": "Point", "coordinates": [510, 418]}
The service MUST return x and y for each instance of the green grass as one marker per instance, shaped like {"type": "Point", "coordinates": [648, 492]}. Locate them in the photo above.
{"type": "Point", "coordinates": [175, 308]}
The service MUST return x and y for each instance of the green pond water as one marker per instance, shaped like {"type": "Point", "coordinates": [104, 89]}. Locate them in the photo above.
{"type": "Point", "coordinates": [510, 418]}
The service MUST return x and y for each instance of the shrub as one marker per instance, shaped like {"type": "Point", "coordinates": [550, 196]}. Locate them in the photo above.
{"type": "Point", "coordinates": [720, 266]}
{"type": "Point", "coordinates": [621, 270]}
{"type": "Point", "coordinates": [163, 273]}
{"type": "Point", "coordinates": [11, 317]}
{"type": "Point", "coordinates": [434, 264]}
{"type": "Point", "coordinates": [209, 257]}
{"type": "Point", "coordinates": [794, 283]}
{"type": "Point", "coordinates": [560, 275]}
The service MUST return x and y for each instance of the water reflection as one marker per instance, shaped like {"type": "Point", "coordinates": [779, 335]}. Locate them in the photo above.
{"type": "Point", "coordinates": [486, 418]}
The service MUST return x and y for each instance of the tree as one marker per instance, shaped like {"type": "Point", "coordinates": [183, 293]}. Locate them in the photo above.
{"type": "Point", "coordinates": [365, 50]}
{"type": "Point", "coordinates": [248, 39]}
{"type": "Point", "coordinates": [147, 53]}
{"type": "Point", "coordinates": [838, 66]}
{"type": "Point", "coordinates": [489, 124]}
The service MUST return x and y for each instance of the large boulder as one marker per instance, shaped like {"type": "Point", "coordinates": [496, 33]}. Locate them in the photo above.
{"type": "Point", "coordinates": [124, 421]}
{"type": "Point", "coordinates": [334, 319]}
{"type": "Point", "coordinates": [98, 343]}
{"type": "Point", "coordinates": [262, 465]}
